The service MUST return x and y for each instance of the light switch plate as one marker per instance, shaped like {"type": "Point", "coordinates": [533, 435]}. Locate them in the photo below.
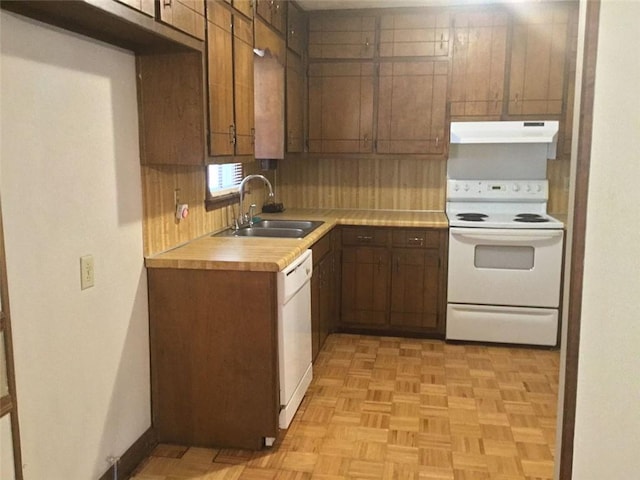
{"type": "Point", "coordinates": [86, 272]}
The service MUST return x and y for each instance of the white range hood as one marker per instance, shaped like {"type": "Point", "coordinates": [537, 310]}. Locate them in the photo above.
{"type": "Point", "coordinates": [520, 132]}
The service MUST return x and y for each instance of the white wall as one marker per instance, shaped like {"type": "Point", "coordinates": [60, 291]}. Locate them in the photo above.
{"type": "Point", "coordinates": [607, 439]}
{"type": "Point", "coordinates": [71, 186]}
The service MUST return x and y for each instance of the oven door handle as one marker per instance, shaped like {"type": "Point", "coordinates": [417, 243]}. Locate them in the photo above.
{"type": "Point", "coordinates": [512, 236]}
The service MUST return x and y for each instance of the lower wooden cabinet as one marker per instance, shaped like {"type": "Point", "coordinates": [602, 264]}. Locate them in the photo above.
{"type": "Point", "coordinates": [214, 357]}
{"type": "Point", "coordinates": [323, 291]}
{"type": "Point", "coordinates": [393, 280]}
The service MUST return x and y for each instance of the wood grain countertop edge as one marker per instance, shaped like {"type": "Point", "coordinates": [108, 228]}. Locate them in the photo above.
{"type": "Point", "coordinates": [274, 254]}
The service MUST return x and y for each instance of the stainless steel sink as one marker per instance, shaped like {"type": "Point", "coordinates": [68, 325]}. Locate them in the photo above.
{"type": "Point", "coordinates": [270, 232]}
{"type": "Point", "coordinates": [275, 229]}
{"type": "Point", "coordinates": [306, 225]}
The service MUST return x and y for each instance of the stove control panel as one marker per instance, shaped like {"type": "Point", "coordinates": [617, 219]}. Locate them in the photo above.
{"type": "Point", "coordinates": [497, 190]}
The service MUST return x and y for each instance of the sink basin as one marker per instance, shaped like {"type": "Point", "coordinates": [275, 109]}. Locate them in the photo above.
{"type": "Point", "coordinates": [302, 224]}
{"type": "Point", "coordinates": [275, 229]}
{"type": "Point", "coordinates": [270, 232]}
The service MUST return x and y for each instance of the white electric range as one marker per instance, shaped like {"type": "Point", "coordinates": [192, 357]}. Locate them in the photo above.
{"type": "Point", "coordinates": [505, 251]}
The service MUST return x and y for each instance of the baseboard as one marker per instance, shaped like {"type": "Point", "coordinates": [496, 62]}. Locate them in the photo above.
{"type": "Point", "coordinates": [130, 459]}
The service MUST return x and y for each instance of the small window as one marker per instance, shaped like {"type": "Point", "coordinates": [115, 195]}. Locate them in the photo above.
{"type": "Point", "coordinates": [224, 179]}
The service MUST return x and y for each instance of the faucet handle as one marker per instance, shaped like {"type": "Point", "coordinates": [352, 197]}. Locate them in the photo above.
{"type": "Point", "coordinates": [252, 211]}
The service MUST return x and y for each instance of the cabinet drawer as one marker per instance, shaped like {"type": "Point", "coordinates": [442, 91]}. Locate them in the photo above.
{"type": "Point", "coordinates": [321, 248]}
{"type": "Point", "coordinates": [416, 238]}
{"type": "Point", "coordinates": [365, 236]}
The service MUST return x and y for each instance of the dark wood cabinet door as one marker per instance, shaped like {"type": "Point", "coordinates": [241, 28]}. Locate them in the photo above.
{"type": "Point", "coordinates": [144, 6]}
{"type": "Point", "coordinates": [412, 107]}
{"type": "Point", "coordinates": [296, 29]}
{"type": "Point", "coordinates": [295, 89]}
{"type": "Point", "coordinates": [326, 298]}
{"type": "Point", "coordinates": [344, 36]}
{"type": "Point", "coordinates": [478, 64]}
{"type": "Point", "coordinates": [415, 34]}
{"type": "Point", "coordinates": [171, 100]}
{"type": "Point", "coordinates": [220, 79]}
{"type": "Point", "coordinates": [315, 312]}
{"type": "Point", "coordinates": [279, 15]}
{"type": "Point", "coordinates": [365, 286]}
{"type": "Point", "coordinates": [244, 6]}
{"type": "Point", "coordinates": [415, 279]}
{"type": "Point", "coordinates": [538, 59]}
{"type": "Point", "coordinates": [185, 15]}
{"type": "Point", "coordinates": [243, 85]}
{"type": "Point", "coordinates": [341, 107]}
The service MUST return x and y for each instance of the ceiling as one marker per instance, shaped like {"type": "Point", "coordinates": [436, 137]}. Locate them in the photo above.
{"type": "Point", "coordinates": [347, 4]}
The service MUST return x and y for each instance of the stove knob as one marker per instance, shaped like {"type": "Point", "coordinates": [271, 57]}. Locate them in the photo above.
{"type": "Point", "coordinates": [466, 187]}
{"type": "Point", "coordinates": [516, 187]}
{"type": "Point", "coordinates": [538, 188]}
{"type": "Point", "coordinates": [528, 188]}
{"type": "Point", "coordinates": [456, 187]}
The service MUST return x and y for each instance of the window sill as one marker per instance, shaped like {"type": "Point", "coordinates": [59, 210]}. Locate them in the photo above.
{"type": "Point", "coordinates": [213, 203]}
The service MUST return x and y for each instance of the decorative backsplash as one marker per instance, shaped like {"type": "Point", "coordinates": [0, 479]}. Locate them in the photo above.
{"type": "Point", "coordinates": [378, 184]}
{"type": "Point", "coordinates": [385, 184]}
{"type": "Point", "coordinates": [161, 230]}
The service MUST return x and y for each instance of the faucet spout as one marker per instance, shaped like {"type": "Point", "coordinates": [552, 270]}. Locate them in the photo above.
{"type": "Point", "coordinates": [243, 217]}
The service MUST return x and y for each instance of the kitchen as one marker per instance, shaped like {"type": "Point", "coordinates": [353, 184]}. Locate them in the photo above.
{"type": "Point", "coordinates": [71, 205]}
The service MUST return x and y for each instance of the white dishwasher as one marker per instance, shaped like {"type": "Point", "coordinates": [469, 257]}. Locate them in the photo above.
{"type": "Point", "coordinates": [294, 335]}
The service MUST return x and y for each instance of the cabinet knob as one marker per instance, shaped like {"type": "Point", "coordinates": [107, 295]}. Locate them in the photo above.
{"type": "Point", "coordinates": [415, 241]}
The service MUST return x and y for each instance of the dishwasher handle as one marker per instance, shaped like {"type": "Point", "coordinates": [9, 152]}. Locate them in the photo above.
{"type": "Point", "coordinates": [294, 277]}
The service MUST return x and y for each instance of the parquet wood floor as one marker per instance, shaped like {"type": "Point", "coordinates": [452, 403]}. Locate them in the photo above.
{"type": "Point", "coordinates": [383, 408]}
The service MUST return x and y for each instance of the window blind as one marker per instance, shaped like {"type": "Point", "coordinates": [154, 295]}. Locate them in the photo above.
{"type": "Point", "coordinates": [224, 179]}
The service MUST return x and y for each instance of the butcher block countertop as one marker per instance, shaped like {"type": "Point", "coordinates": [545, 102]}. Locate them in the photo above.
{"type": "Point", "coordinates": [274, 254]}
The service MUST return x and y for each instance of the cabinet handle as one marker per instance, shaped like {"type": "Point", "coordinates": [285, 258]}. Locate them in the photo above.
{"type": "Point", "coordinates": [364, 238]}
{"type": "Point", "coordinates": [441, 41]}
{"type": "Point", "coordinates": [232, 134]}
{"type": "Point", "coordinates": [397, 265]}
{"type": "Point", "coordinates": [366, 42]}
{"type": "Point", "coordinates": [415, 241]}
{"type": "Point", "coordinates": [437, 140]}
{"type": "Point", "coordinates": [253, 136]}
{"type": "Point", "coordinates": [166, 3]}
{"type": "Point", "coordinates": [516, 99]}
{"type": "Point", "coordinates": [292, 32]}
{"type": "Point", "coordinates": [496, 99]}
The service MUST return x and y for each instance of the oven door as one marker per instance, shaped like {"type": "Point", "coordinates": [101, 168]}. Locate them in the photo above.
{"type": "Point", "coordinates": [505, 266]}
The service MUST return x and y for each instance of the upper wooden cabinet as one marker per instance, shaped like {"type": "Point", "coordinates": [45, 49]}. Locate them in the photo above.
{"type": "Point", "coordinates": [243, 6]}
{"type": "Point", "coordinates": [185, 15]}
{"type": "Point", "coordinates": [296, 29]}
{"type": "Point", "coordinates": [478, 63]}
{"type": "Point", "coordinates": [412, 107]}
{"type": "Point", "coordinates": [230, 81]}
{"type": "Point", "coordinates": [170, 108]}
{"type": "Point", "coordinates": [415, 34]}
{"type": "Point", "coordinates": [144, 6]}
{"type": "Point", "coordinates": [274, 12]}
{"type": "Point", "coordinates": [342, 37]}
{"type": "Point", "coordinates": [341, 107]}
{"type": "Point", "coordinates": [538, 60]}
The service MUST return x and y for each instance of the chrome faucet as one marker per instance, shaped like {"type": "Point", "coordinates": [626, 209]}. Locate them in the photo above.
{"type": "Point", "coordinates": [247, 218]}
